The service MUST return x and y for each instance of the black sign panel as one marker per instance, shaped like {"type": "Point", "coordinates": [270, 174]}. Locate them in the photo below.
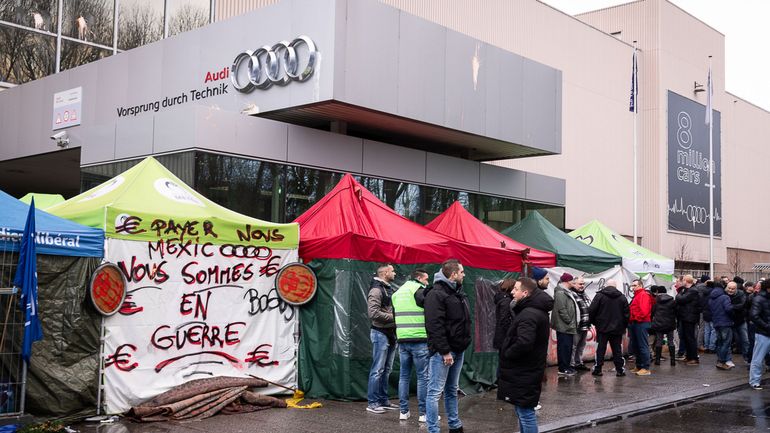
{"type": "Point", "coordinates": [688, 167]}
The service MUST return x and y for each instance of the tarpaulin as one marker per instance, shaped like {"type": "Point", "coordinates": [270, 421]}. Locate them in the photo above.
{"type": "Point", "coordinates": [335, 349]}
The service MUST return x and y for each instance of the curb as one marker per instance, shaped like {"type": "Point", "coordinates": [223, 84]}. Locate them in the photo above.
{"type": "Point", "coordinates": [593, 419]}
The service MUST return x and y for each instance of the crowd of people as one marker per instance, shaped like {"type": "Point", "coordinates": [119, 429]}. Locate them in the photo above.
{"type": "Point", "coordinates": [430, 326]}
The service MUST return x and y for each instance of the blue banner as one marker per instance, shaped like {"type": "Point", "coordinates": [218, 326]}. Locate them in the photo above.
{"type": "Point", "coordinates": [26, 280]}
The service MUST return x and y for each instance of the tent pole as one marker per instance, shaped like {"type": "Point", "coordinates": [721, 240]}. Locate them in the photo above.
{"type": "Point", "coordinates": [99, 380]}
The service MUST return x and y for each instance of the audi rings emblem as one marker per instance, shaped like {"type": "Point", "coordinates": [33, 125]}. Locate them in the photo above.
{"type": "Point", "coordinates": [278, 64]}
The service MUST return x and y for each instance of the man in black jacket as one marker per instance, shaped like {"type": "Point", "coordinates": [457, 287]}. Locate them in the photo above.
{"type": "Point", "coordinates": [738, 299]}
{"type": "Point", "coordinates": [760, 317]}
{"type": "Point", "coordinates": [524, 352]}
{"type": "Point", "coordinates": [688, 310]}
{"type": "Point", "coordinates": [610, 313]}
{"type": "Point", "coordinates": [448, 323]}
{"type": "Point", "coordinates": [663, 322]}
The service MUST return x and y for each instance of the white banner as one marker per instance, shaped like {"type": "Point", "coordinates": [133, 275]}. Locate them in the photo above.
{"type": "Point", "coordinates": [196, 311]}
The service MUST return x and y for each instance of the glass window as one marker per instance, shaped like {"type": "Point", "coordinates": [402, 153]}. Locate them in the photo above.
{"type": "Point", "coordinates": [139, 22]}
{"type": "Point", "coordinates": [402, 197]}
{"type": "Point", "coordinates": [497, 212]}
{"type": "Point", "coordinates": [187, 15]}
{"type": "Point", "coordinates": [181, 164]}
{"type": "Point", "coordinates": [74, 54]}
{"type": "Point", "coordinates": [437, 200]}
{"type": "Point", "coordinates": [25, 56]}
{"type": "Point", "coordinates": [89, 20]}
{"type": "Point", "coordinates": [243, 185]}
{"type": "Point", "coordinates": [38, 14]}
{"type": "Point", "coordinates": [305, 187]}
{"type": "Point", "coordinates": [555, 215]}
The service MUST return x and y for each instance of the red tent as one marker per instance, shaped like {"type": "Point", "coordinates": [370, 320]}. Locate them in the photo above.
{"type": "Point", "coordinates": [458, 223]}
{"type": "Point", "coordinates": [351, 223]}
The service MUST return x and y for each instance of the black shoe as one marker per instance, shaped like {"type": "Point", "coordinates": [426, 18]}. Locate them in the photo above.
{"type": "Point", "coordinates": [597, 373]}
{"type": "Point", "coordinates": [456, 430]}
{"type": "Point", "coordinates": [620, 373]}
{"type": "Point", "coordinates": [582, 367]}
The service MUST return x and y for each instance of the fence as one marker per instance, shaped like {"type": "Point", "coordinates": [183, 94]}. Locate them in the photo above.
{"type": "Point", "coordinates": [12, 368]}
{"type": "Point", "coordinates": [750, 275]}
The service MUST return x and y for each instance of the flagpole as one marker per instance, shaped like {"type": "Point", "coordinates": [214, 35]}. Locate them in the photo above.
{"type": "Point", "coordinates": [636, 180]}
{"type": "Point", "coordinates": [710, 115]}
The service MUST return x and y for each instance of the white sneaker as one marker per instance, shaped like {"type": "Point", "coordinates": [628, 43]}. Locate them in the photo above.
{"type": "Point", "coordinates": [422, 418]}
{"type": "Point", "coordinates": [539, 406]}
{"type": "Point", "coordinates": [730, 364]}
{"type": "Point", "coordinates": [404, 416]}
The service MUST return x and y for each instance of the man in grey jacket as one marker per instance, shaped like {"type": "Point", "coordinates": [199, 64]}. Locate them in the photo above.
{"type": "Point", "coordinates": [564, 321]}
{"type": "Point", "coordinates": [383, 336]}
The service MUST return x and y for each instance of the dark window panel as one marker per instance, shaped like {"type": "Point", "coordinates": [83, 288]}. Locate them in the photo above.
{"type": "Point", "coordinates": [89, 20]}
{"type": "Point", "coordinates": [74, 54]}
{"type": "Point", "coordinates": [37, 14]}
{"type": "Point", "coordinates": [25, 56]}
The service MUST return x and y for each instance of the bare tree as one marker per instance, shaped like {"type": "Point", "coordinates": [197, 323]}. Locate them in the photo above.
{"type": "Point", "coordinates": [187, 17]}
{"type": "Point", "coordinates": [735, 262]}
{"type": "Point", "coordinates": [138, 24]}
{"type": "Point", "coordinates": [683, 251]}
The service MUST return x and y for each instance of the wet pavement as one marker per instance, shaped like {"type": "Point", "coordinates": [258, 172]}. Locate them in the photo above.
{"type": "Point", "coordinates": [739, 411]}
{"type": "Point", "coordinates": [568, 404]}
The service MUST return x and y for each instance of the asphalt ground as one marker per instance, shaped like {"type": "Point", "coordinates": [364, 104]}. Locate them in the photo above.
{"type": "Point", "coordinates": [569, 404]}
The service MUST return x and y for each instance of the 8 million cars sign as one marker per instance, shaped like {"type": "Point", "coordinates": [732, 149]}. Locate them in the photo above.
{"type": "Point", "coordinates": [688, 167]}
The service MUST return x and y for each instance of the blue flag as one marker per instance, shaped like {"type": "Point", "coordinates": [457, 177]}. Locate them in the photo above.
{"type": "Point", "coordinates": [634, 85]}
{"type": "Point", "coordinates": [26, 280]}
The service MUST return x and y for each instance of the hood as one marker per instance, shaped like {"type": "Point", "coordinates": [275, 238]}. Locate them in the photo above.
{"type": "Point", "coordinates": [611, 292]}
{"type": "Point", "coordinates": [538, 299]}
{"type": "Point", "coordinates": [502, 295]}
{"type": "Point", "coordinates": [716, 292]}
{"type": "Point", "coordinates": [439, 276]}
{"type": "Point", "coordinates": [664, 299]}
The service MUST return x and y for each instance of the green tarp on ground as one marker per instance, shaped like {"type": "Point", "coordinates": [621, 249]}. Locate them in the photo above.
{"type": "Point", "coordinates": [336, 350]}
{"type": "Point", "coordinates": [636, 258]}
{"type": "Point", "coordinates": [538, 232]}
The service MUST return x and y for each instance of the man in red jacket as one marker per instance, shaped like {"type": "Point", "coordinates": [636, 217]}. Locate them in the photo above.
{"type": "Point", "coordinates": [639, 327]}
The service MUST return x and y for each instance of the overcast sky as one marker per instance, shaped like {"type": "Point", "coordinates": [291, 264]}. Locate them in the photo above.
{"type": "Point", "coordinates": [746, 26]}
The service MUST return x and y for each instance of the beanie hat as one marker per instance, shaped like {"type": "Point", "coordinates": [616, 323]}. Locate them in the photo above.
{"type": "Point", "coordinates": [538, 273]}
{"type": "Point", "coordinates": [704, 278]}
{"type": "Point", "coordinates": [566, 277]}
{"type": "Point", "coordinates": [738, 280]}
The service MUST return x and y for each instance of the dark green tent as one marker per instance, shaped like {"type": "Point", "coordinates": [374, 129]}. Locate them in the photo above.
{"type": "Point", "coordinates": [538, 232]}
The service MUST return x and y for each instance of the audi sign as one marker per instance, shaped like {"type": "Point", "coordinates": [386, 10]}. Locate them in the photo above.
{"type": "Point", "coordinates": [278, 64]}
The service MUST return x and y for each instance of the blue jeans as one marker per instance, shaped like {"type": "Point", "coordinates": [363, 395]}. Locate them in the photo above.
{"type": "Point", "coordinates": [443, 378]}
{"type": "Point", "coordinates": [724, 343]}
{"type": "Point", "coordinates": [527, 419]}
{"type": "Point", "coordinates": [741, 338]}
{"type": "Point", "coordinates": [413, 354]}
{"type": "Point", "coordinates": [639, 344]}
{"type": "Point", "coordinates": [564, 350]}
{"type": "Point", "coordinates": [709, 337]}
{"type": "Point", "coordinates": [383, 354]}
{"type": "Point", "coordinates": [761, 348]}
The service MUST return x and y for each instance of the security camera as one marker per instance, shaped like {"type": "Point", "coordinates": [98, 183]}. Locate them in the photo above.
{"type": "Point", "coordinates": [61, 139]}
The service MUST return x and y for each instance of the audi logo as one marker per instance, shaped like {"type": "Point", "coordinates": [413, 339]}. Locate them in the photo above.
{"type": "Point", "coordinates": [277, 64]}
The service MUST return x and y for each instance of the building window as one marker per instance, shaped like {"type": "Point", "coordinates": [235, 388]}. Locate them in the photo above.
{"type": "Point", "coordinates": [140, 22]}
{"type": "Point", "coordinates": [25, 55]}
{"type": "Point", "coordinates": [186, 15]}
{"type": "Point", "coordinates": [89, 20]}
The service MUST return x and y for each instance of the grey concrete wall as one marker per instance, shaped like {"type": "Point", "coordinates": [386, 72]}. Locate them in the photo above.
{"type": "Point", "coordinates": [397, 63]}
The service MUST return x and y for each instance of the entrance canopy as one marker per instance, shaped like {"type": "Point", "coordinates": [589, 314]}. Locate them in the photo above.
{"type": "Point", "coordinates": [54, 236]}
{"type": "Point", "coordinates": [147, 202]}
{"type": "Point", "coordinates": [458, 223]}
{"type": "Point", "coordinates": [635, 258]}
{"type": "Point", "coordinates": [537, 231]}
{"type": "Point", "coordinates": [351, 223]}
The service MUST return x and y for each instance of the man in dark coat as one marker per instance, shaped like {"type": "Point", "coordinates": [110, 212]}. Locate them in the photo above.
{"type": "Point", "coordinates": [663, 322]}
{"type": "Point", "coordinates": [448, 324]}
{"type": "Point", "coordinates": [688, 313]}
{"type": "Point", "coordinates": [609, 312]}
{"type": "Point", "coordinates": [721, 316]}
{"type": "Point", "coordinates": [738, 298]}
{"type": "Point", "coordinates": [760, 317]}
{"type": "Point", "coordinates": [524, 352]}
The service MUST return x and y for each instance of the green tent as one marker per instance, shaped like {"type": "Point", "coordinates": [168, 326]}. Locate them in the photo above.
{"type": "Point", "coordinates": [635, 258]}
{"type": "Point", "coordinates": [42, 201]}
{"type": "Point", "coordinates": [538, 232]}
{"type": "Point", "coordinates": [147, 202]}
